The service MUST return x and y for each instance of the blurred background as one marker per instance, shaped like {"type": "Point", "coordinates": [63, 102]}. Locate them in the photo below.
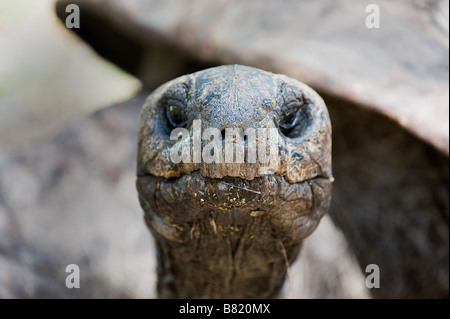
{"type": "Point", "coordinates": [69, 111]}
{"type": "Point", "coordinates": [48, 76]}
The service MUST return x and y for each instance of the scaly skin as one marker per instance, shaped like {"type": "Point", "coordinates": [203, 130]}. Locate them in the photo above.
{"type": "Point", "coordinates": [230, 230]}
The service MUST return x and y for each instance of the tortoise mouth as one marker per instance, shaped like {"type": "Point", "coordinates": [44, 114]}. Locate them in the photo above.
{"type": "Point", "coordinates": [173, 206]}
{"type": "Point", "coordinates": [195, 190]}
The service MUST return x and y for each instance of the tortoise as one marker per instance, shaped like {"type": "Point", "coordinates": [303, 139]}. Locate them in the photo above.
{"type": "Point", "coordinates": [227, 224]}
{"type": "Point", "coordinates": [387, 96]}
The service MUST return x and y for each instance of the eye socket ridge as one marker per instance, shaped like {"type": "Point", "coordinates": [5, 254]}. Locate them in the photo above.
{"type": "Point", "coordinates": [175, 111]}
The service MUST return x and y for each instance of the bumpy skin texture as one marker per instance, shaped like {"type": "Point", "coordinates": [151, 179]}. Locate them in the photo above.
{"type": "Point", "coordinates": [231, 230]}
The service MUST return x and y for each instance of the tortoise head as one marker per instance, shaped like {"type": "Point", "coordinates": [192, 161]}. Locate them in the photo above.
{"type": "Point", "coordinates": [234, 172]}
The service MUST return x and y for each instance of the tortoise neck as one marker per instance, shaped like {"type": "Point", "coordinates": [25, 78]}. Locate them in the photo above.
{"type": "Point", "coordinates": [222, 261]}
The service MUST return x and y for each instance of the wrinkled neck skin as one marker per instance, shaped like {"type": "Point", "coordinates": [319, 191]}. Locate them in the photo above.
{"type": "Point", "coordinates": [221, 240]}
{"type": "Point", "coordinates": [231, 230]}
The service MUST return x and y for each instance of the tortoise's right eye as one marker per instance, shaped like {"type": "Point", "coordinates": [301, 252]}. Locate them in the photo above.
{"type": "Point", "coordinates": [176, 113]}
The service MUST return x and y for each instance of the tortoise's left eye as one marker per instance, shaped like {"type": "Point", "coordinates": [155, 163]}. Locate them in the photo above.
{"type": "Point", "coordinates": [290, 117]}
{"type": "Point", "coordinates": [289, 120]}
{"type": "Point", "coordinates": [176, 113]}
{"type": "Point", "coordinates": [295, 119]}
